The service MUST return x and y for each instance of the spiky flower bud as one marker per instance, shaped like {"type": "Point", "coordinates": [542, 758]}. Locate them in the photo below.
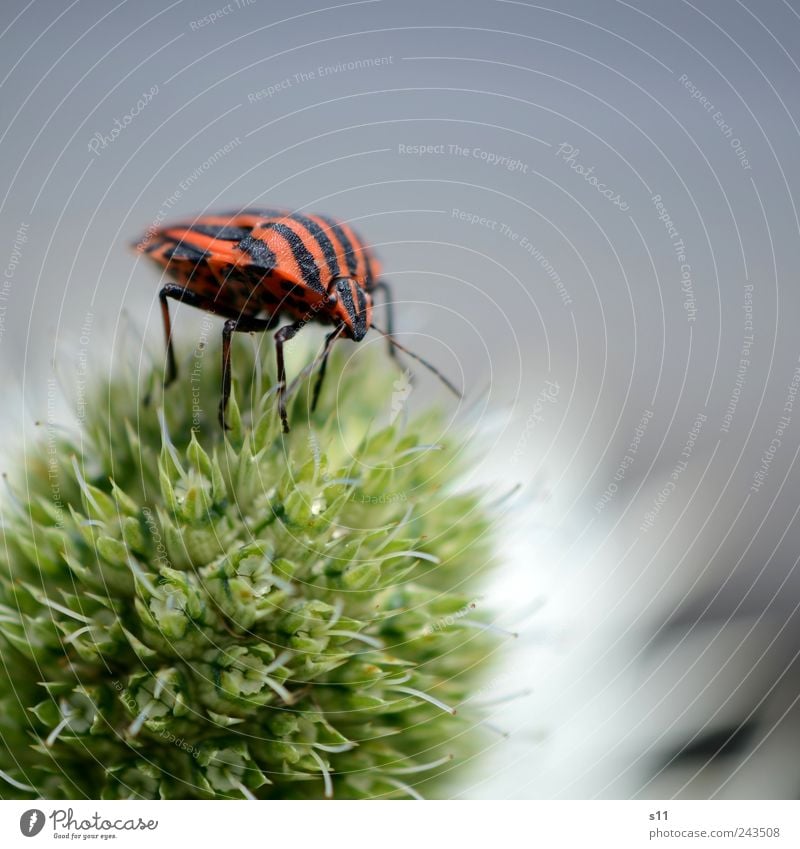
{"type": "Point", "coordinates": [187, 614]}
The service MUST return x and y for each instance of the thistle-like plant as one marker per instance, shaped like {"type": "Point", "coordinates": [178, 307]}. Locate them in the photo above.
{"type": "Point", "coordinates": [187, 613]}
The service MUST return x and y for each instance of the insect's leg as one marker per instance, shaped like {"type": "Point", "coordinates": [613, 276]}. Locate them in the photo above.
{"type": "Point", "coordinates": [329, 340]}
{"type": "Point", "coordinates": [384, 287]}
{"type": "Point", "coordinates": [172, 369]}
{"type": "Point", "coordinates": [177, 293]}
{"type": "Point", "coordinates": [243, 324]}
{"type": "Point", "coordinates": [227, 332]}
{"type": "Point", "coordinates": [286, 333]}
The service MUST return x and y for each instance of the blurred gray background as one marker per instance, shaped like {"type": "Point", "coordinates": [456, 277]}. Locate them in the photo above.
{"type": "Point", "coordinates": [599, 237]}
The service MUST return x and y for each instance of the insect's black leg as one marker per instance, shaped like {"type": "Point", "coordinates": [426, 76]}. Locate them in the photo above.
{"type": "Point", "coordinates": [243, 324]}
{"type": "Point", "coordinates": [227, 332]}
{"type": "Point", "coordinates": [172, 369]}
{"type": "Point", "coordinates": [329, 340]}
{"type": "Point", "coordinates": [286, 333]}
{"type": "Point", "coordinates": [384, 287]}
{"type": "Point", "coordinates": [177, 293]}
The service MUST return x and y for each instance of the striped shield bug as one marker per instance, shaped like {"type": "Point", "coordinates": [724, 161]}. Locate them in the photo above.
{"type": "Point", "coordinates": [254, 266]}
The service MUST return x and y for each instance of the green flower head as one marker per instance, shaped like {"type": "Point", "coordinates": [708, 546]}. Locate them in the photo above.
{"type": "Point", "coordinates": [188, 613]}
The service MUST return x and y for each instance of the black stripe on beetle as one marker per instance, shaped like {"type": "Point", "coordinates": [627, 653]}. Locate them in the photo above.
{"type": "Point", "coordinates": [370, 275]}
{"type": "Point", "coordinates": [258, 251]}
{"type": "Point", "coordinates": [224, 233]}
{"type": "Point", "coordinates": [358, 320]}
{"type": "Point", "coordinates": [182, 251]}
{"type": "Point", "coordinates": [153, 246]}
{"type": "Point", "coordinates": [361, 321]}
{"type": "Point", "coordinates": [305, 261]}
{"type": "Point", "coordinates": [347, 245]}
{"type": "Point", "coordinates": [325, 244]}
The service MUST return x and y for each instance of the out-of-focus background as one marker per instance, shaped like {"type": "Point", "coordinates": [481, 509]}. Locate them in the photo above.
{"type": "Point", "coordinates": [589, 214]}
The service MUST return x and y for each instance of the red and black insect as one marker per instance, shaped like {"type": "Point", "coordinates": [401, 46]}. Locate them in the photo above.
{"type": "Point", "coordinates": [252, 267]}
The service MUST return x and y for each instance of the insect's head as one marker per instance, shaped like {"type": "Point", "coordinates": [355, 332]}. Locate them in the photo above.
{"type": "Point", "coordinates": [352, 305]}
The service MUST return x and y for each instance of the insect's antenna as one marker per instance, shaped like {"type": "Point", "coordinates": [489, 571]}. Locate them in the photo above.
{"type": "Point", "coordinates": [394, 343]}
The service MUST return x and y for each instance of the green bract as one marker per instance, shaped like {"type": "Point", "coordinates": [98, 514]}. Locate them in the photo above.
{"type": "Point", "coordinates": [190, 615]}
